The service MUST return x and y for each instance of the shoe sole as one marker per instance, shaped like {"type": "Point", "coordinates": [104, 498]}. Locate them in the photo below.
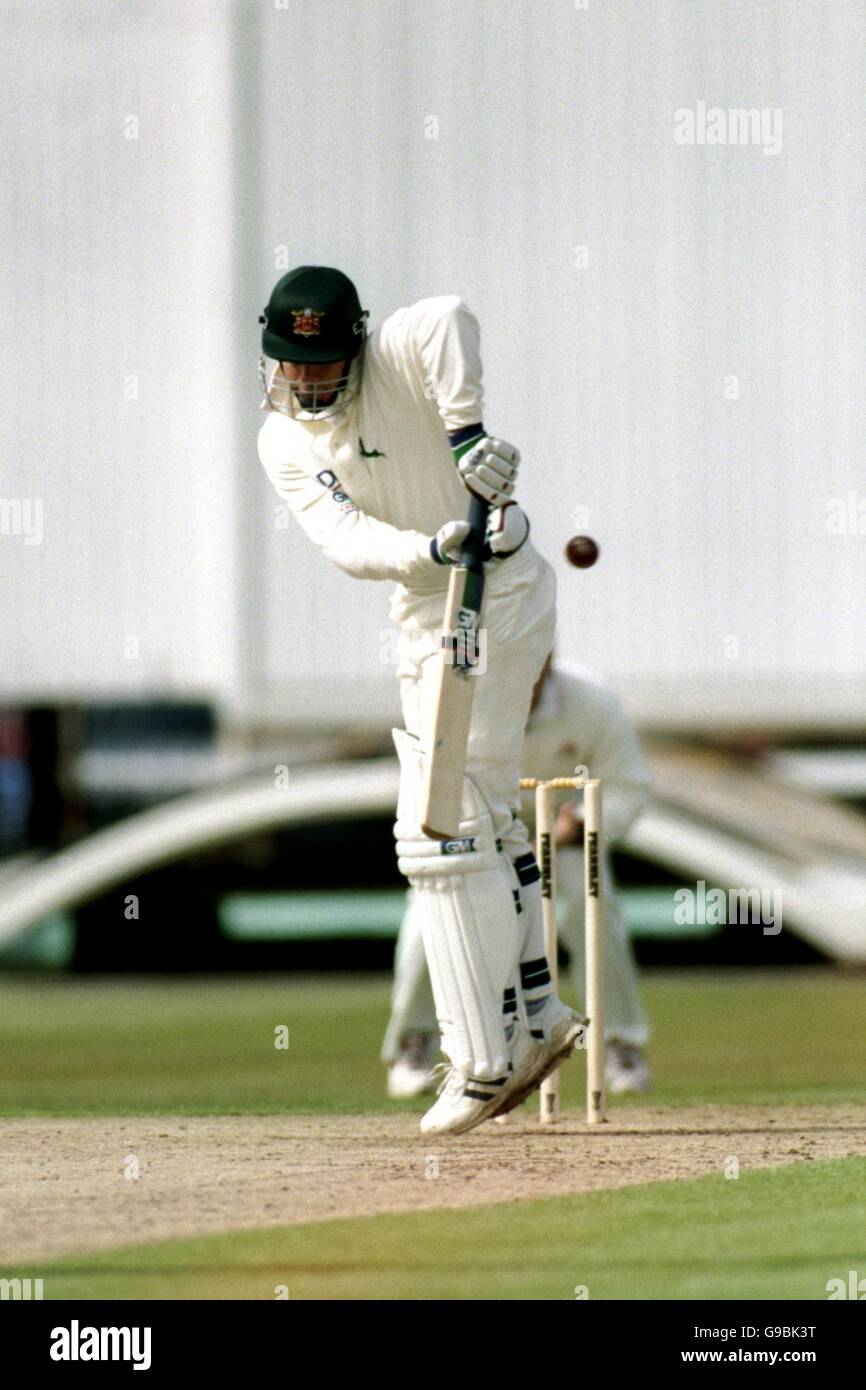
{"type": "Point", "coordinates": [487, 1111]}
{"type": "Point", "coordinates": [552, 1053]}
{"type": "Point", "coordinates": [494, 1108]}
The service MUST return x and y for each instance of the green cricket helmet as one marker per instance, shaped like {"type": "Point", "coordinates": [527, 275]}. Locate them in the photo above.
{"type": "Point", "coordinates": [314, 316]}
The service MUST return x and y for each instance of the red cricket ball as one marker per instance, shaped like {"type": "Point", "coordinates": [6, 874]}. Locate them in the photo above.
{"type": "Point", "coordinates": [581, 551]}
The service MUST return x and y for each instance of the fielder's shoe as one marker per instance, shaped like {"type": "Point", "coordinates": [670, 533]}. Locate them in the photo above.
{"type": "Point", "coordinates": [554, 1031]}
{"type": "Point", "coordinates": [463, 1103]}
{"type": "Point", "coordinates": [412, 1073]}
{"type": "Point", "coordinates": [625, 1068]}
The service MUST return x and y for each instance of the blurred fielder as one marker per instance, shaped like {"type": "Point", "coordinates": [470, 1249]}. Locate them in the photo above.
{"type": "Point", "coordinates": [376, 443]}
{"type": "Point", "coordinates": [574, 721]}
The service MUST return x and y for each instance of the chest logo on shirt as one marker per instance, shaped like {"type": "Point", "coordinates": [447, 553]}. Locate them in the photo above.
{"type": "Point", "coordinates": [307, 323]}
{"type": "Point", "coordinates": [369, 453]}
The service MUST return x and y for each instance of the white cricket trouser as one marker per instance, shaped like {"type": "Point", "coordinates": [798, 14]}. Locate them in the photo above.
{"type": "Point", "coordinates": [413, 1009]}
{"type": "Point", "coordinates": [519, 624]}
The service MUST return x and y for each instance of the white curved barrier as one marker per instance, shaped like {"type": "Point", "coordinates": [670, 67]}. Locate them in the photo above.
{"type": "Point", "coordinates": [823, 902]}
{"type": "Point", "coordinates": [199, 821]}
{"type": "Point", "coordinates": [823, 894]}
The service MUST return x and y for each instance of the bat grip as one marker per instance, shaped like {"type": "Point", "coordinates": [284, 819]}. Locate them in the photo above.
{"type": "Point", "coordinates": [472, 553]}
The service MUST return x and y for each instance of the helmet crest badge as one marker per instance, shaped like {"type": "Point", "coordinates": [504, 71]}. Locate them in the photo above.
{"type": "Point", "coordinates": [307, 323]}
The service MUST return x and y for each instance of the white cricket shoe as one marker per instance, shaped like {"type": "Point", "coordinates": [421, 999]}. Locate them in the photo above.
{"type": "Point", "coordinates": [463, 1103]}
{"type": "Point", "coordinates": [555, 1030]}
{"type": "Point", "coordinates": [625, 1068]}
{"type": "Point", "coordinates": [525, 1057]}
{"type": "Point", "coordinates": [412, 1073]}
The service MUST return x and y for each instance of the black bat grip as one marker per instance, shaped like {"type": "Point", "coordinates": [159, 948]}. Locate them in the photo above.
{"type": "Point", "coordinates": [472, 552]}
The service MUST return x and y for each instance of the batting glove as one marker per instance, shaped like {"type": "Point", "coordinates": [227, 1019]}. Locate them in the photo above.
{"type": "Point", "coordinates": [446, 545]}
{"type": "Point", "coordinates": [489, 470]}
{"type": "Point", "coordinates": [507, 529]}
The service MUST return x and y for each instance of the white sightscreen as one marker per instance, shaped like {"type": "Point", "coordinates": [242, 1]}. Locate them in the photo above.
{"type": "Point", "coordinates": [673, 333]}
{"type": "Point", "coordinates": [116, 427]}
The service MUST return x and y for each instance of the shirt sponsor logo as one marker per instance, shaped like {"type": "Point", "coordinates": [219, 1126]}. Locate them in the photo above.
{"type": "Point", "coordinates": [330, 480]}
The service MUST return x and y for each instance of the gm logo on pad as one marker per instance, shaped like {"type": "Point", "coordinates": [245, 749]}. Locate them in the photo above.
{"type": "Point", "coordinates": [464, 846]}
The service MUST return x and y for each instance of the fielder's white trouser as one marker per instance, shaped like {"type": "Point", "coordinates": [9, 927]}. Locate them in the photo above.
{"type": "Point", "coordinates": [412, 1006]}
{"type": "Point", "coordinates": [413, 1009]}
{"type": "Point", "coordinates": [476, 929]}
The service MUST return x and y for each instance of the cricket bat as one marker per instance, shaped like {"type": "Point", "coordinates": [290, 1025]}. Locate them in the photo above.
{"type": "Point", "coordinates": [445, 765]}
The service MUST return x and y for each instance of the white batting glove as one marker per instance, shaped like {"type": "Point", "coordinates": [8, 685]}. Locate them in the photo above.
{"type": "Point", "coordinates": [507, 529]}
{"type": "Point", "coordinates": [490, 469]}
{"type": "Point", "coordinates": [446, 545]}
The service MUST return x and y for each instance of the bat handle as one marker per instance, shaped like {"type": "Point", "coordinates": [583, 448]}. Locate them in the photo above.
{"type": "Point", "coordinates": [471, 555]}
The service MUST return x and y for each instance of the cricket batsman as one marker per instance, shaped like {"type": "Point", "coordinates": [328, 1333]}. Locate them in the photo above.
{"type": "Point", "coordinates": [377, 444]}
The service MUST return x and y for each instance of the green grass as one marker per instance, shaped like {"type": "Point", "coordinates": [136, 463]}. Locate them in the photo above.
{"type": "Point", "coordinates": [206, 1045]}
{"type": "Point", "coordinates": [770, 1234]}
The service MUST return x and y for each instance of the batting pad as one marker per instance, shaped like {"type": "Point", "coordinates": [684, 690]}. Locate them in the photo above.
{"type": "Point", "coordinates": [468, 919]}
